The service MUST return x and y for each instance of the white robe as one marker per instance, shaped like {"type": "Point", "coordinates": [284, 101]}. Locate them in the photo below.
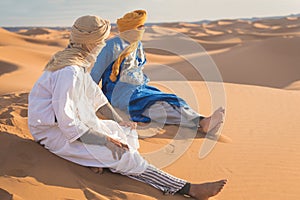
{"type": "Point", "coordinates": [70, 95]}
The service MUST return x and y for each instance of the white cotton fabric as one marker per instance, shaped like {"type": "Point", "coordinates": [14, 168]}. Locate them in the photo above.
{"type": "Point", "coordinates": [70, 95]}
{"type": "Point", "coordinates": [163, 112]}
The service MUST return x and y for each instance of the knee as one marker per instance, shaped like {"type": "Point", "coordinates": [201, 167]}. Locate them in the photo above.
{"type": "Point", "coordinates": [132, 163]}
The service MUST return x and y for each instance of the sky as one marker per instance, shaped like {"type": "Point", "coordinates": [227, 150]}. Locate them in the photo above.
{"type": "Point", "coordinates": [65, 12]}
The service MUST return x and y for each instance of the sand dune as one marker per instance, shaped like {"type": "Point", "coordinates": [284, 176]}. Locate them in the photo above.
{"type": "Point", "coordinates": [247, 55]}
{"type": "Point", "coordinates": [258, 62]}
{"type": "Point", "coordinates": [10, 38]}
{"type": "Point", "coordinates": [271, 63]}
{"type": "Point", "coordinates": [23, 57]}
{"type": "Point", "coordinates": [46, 33]}
{"type": "Point", "coordinates": [35, 31]}
{"type": "Point", "coordinates": [261, 159]}
{"type": "Point", "coordinates": [294, 86]}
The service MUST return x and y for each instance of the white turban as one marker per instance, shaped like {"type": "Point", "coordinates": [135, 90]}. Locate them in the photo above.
{"type": "Point", "coordinates": [89, 29]}
{"type": "Point", "coordinates": [87, 39]}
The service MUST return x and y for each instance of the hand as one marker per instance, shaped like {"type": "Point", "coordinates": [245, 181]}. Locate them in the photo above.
{"type": "Point", "coordinates": [132, 125]}
{"type": "Point", "coordinates": [117, 148]}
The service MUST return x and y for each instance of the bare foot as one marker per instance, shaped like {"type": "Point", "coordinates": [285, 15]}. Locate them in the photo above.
{"type": "Point", "coordinates": [212, 133]}
{"type": "Point", "coordinates": [209, 123]}
{"type": "Point", "coordinates": [205, 190]}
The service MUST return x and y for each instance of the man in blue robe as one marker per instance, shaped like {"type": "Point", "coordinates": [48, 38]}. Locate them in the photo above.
{"type": "Point", "coordinates": [120, 68]}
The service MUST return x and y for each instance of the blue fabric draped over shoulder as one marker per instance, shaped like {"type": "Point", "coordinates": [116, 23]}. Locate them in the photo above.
{"type": "Point", "coordinates": [130, 98]}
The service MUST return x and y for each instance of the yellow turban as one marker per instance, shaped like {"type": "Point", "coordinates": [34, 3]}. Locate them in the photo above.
{"type": "Point", "coordinates": [132, 20]}
{"type": "Point", "coordinates": [127, 26]}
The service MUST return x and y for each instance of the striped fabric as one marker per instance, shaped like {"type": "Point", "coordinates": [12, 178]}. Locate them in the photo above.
{"type": "Point", "coordinates": [160, 180]}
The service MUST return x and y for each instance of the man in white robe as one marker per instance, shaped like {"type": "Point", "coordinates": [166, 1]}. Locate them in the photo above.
{"type": "Point", "coordinates": [62, 116]}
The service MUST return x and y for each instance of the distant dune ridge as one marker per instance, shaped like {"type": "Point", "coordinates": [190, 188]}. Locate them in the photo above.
{"type": "Point", "coordinates": [259, 63]}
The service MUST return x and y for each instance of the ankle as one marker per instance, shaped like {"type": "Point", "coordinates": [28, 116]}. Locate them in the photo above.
{"type": "Point", "coordinates": [191, 191]}
{"type": "Point", "coordinates": [185, 189]}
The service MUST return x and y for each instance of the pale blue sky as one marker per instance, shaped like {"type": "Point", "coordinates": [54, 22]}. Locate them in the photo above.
{"type": "Point", "coordinates": [64, 12]}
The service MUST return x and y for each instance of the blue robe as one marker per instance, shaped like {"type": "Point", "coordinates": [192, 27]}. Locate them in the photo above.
{"type": "Point", "coordinates": [135, 98]}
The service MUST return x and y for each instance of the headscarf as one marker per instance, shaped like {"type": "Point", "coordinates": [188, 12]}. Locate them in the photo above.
{"type": "Point", "coordinates": [127, 26]}
{"type": "Point", "coordinates": [86, 41]}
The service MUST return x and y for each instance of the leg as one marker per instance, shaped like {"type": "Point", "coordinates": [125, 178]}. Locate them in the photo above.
{"type": "Point", "coordinates": [160, 180]}
{"type": "Point", "coordinates": [172, 185]}
{"type": "Point", "coordinates": [164, 113]}
{"type": "Point", "coordinates": [133, 165]}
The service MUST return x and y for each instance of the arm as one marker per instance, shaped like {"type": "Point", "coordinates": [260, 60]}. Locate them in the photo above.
{"type": "Point", "coordinates": [116, 147]}
{"type": "Point", "coordinates": [103, 107]}
{"type": "Point", "coordinates": [93, 137]}
{"type": "Point", "coordinates": [64, 101]}
{"type": "Point", "coordinates": [104, 59]}
{"type": "Point", "coordinates": [109, 113]}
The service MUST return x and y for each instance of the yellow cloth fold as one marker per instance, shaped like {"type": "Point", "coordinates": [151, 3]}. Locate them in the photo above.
{"type": "Point", "coordinates": [127, 26]}
{"type": "Point", "coordinates": [86, 40]}
{"type": "Point", "coordinates": [133, 37]}
{"type": "Point", "coordinates": [132, 20]}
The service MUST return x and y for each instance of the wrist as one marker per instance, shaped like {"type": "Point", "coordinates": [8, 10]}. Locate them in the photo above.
{"type": "Point", "coordinates": [104, 140]}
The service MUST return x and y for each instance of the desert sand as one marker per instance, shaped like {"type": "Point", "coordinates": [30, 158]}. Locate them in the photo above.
{"type": "Point", "coordinates": [259, 64]}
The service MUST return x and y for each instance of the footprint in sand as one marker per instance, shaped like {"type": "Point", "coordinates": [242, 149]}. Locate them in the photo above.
{"type": "Point", "coordinates": [149, 132]}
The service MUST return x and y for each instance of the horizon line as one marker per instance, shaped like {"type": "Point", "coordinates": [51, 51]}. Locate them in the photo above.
{"type": "Point", "coordinates": [170, 22]}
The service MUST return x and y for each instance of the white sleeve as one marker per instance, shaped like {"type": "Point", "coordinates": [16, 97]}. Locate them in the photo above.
{"type": "Point", "coordinates": [95, 94]}
{"type": "Point", "coordinates": [65, 99]}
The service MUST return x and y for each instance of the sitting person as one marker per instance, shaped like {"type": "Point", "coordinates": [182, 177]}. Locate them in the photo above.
{"type": "Point", "coordinates": [120, 67]}
{"type": "Point", "coordinates": [62, 116]}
